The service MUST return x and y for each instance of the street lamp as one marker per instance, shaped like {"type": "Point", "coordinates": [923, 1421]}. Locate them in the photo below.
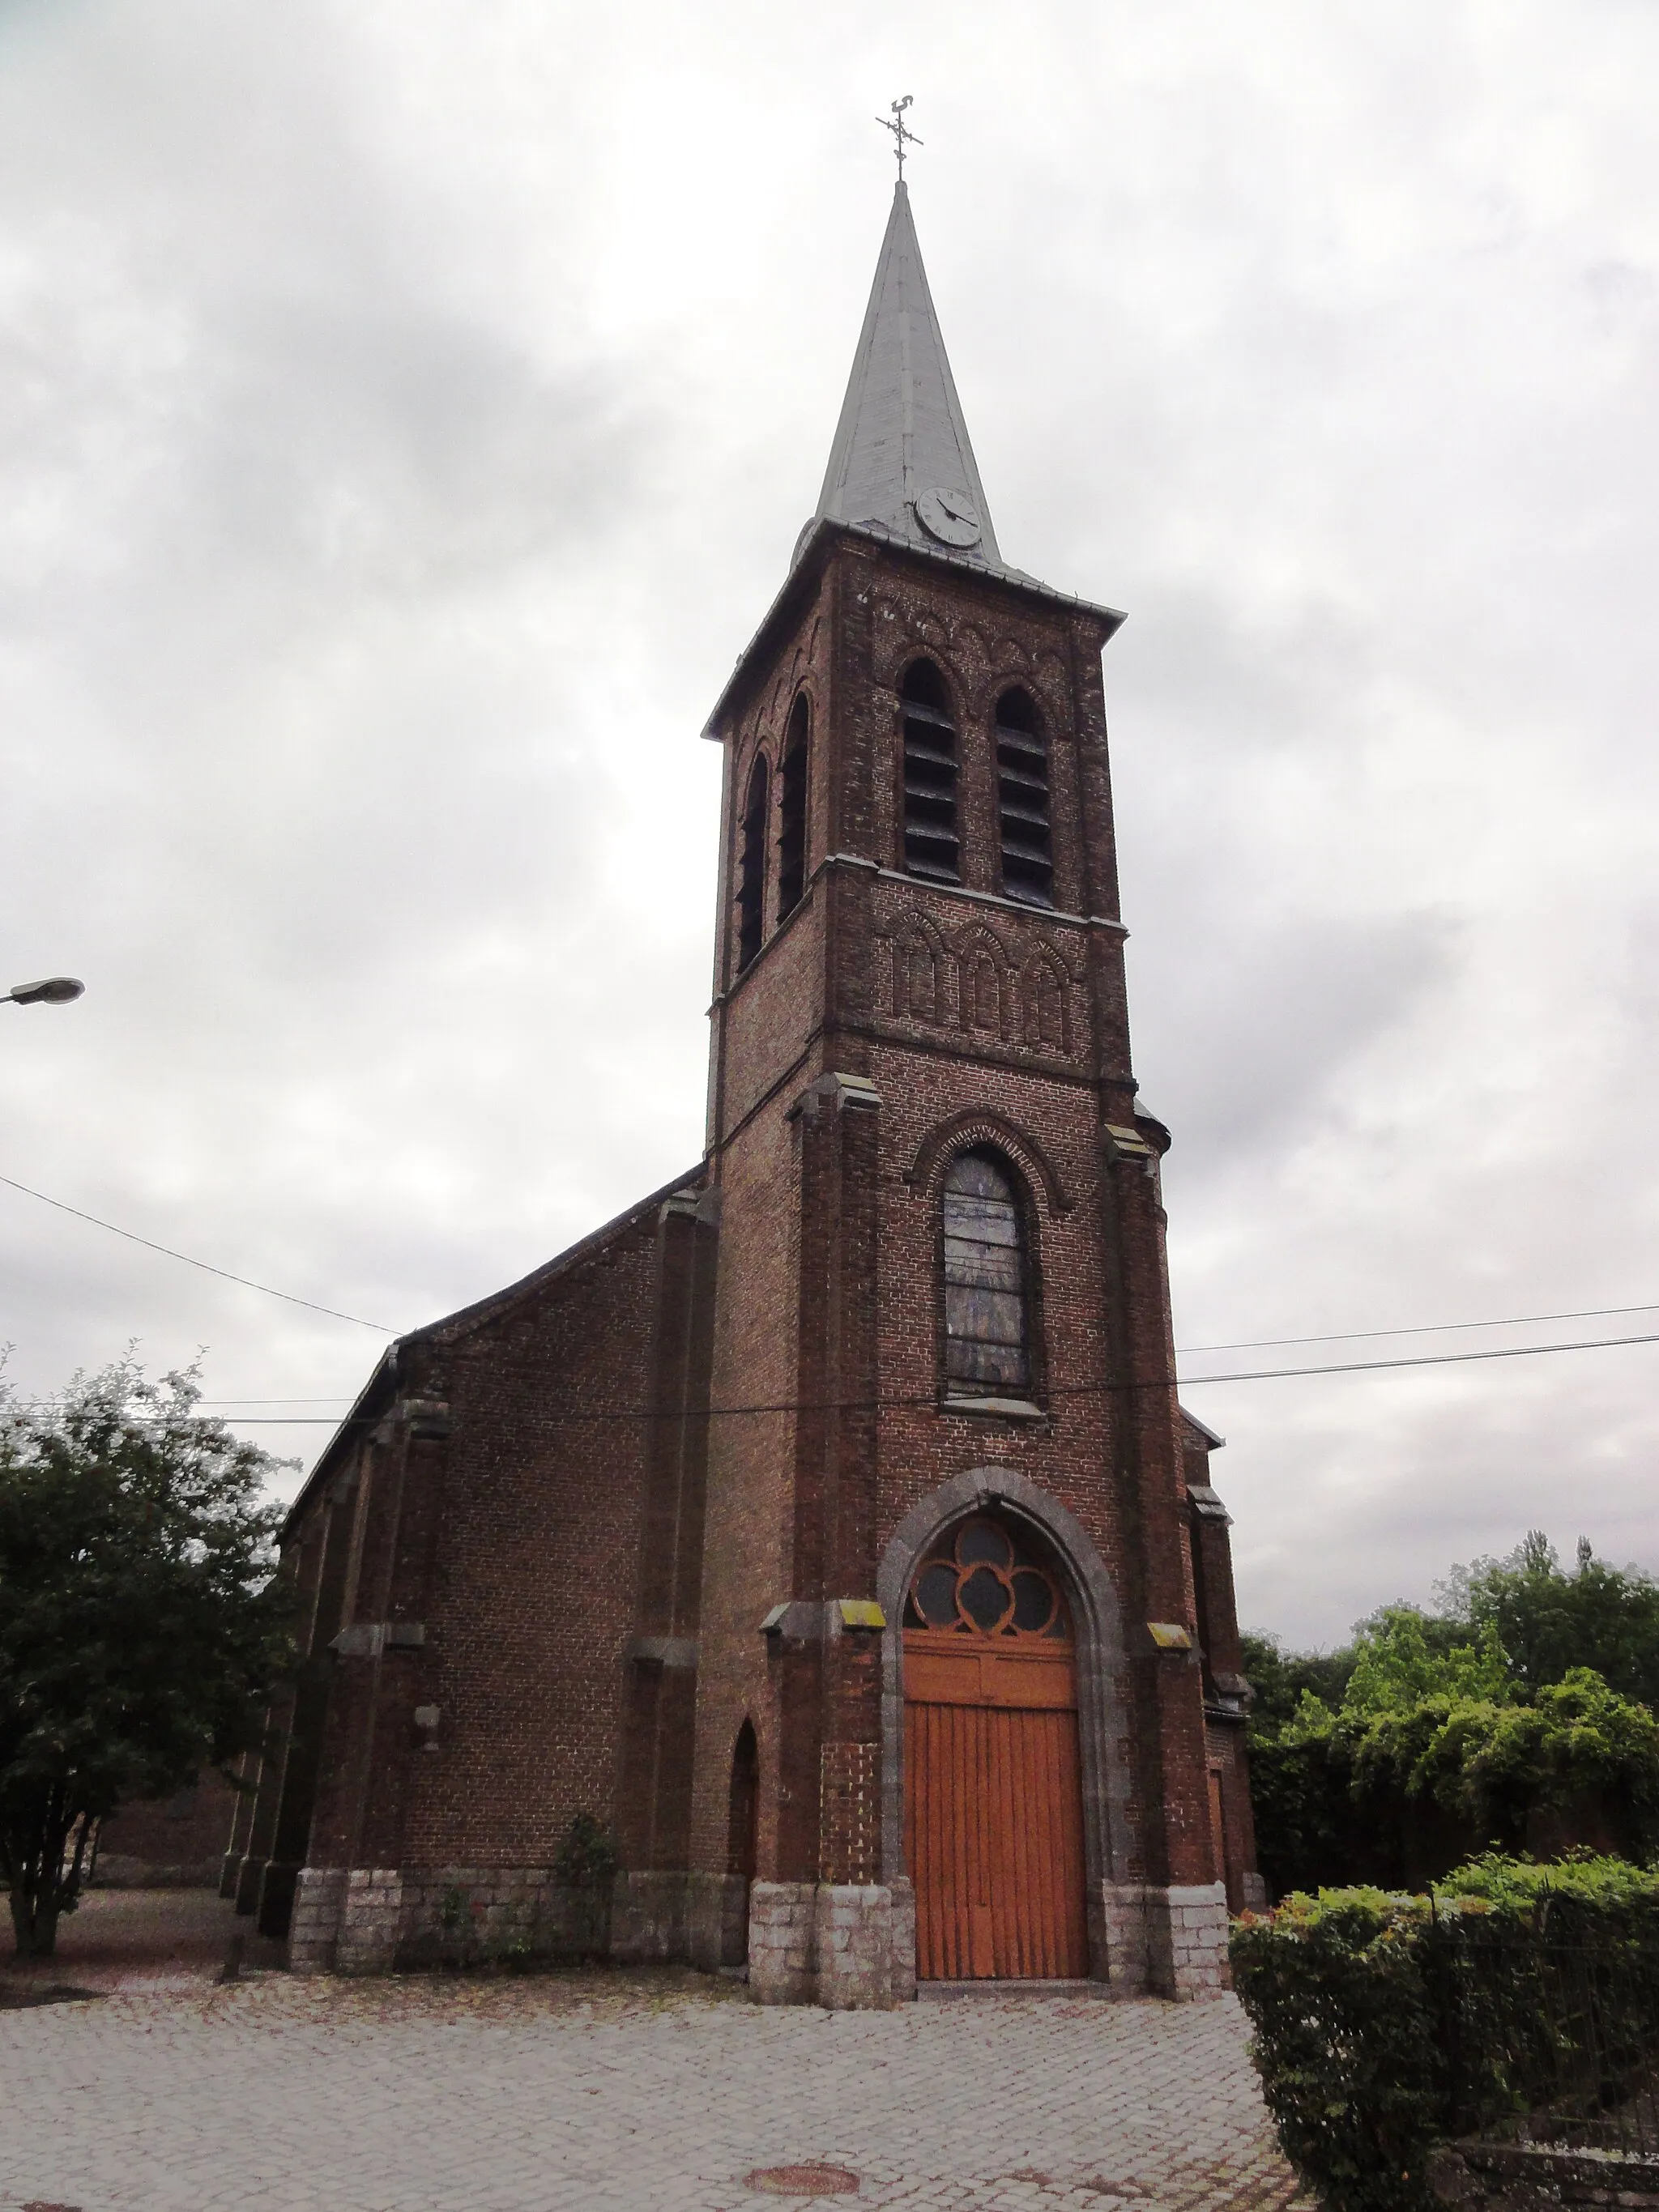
{"type": "Point", "coordinates": [55, 991]}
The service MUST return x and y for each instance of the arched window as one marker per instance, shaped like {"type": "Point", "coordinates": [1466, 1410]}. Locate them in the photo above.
{"type": "Point", "coordinates": [751, 868]}
{"type": "Point", "coordinates": [932, 848]}
{"type": "Point", "coordinates": [792, 813]}
{"type": "Point", "coordinates": [988, 1352]}
{"type": "Point", "coordinates": [743, 1811]}
{"type": "Point", "coordinates": [1028, 857]}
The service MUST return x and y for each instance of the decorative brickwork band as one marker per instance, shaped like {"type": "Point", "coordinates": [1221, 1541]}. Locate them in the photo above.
{"type": "Point", "coordinates": [850, 1811]}
{"type": "Point", "coordinates": [962, 1131]}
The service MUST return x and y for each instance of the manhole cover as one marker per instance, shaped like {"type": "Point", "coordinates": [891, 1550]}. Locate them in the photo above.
{"type": "Point", "coordinates": [803, 2181]}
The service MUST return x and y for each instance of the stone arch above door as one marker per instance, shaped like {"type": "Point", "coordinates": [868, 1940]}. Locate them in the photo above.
{"type": "Point", "coordinates": [1108, 1841]}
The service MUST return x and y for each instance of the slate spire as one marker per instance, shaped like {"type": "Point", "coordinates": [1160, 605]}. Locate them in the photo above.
{"type": "Point", "coordinates": [901, 457]}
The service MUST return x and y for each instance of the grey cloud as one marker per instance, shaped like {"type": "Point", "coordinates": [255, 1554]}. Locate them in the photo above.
{"type": "Point", "coordinates": [1245, 1047]}
{"type": "Point", "coordinates": [406, 420]}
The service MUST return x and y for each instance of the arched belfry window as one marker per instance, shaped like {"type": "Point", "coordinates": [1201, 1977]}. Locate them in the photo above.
{"type": "Point", "coordinates": [987, 1345]}
{"type": "Point", "coordinates": [751, 867]}
{"type": "Point", "coordinates": [932, 848]}
{"type": "Point", "coordinates": [792, 813]}
{"type": "Point", "coordinates": [1028, 857]}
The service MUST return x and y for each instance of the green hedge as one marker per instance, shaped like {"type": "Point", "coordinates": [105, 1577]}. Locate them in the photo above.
{"type": "Point", "coordinates": [1394, 1796]}
{"type": "Point", "coordinates": [1380, 2022]}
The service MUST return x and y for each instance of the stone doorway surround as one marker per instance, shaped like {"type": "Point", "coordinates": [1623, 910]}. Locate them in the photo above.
{"type": "Point", "coordinates": [1144, 1937]}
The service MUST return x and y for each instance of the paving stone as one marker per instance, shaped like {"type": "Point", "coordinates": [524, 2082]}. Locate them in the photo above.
{"type": "Point", "coordinates": [647, 2091]}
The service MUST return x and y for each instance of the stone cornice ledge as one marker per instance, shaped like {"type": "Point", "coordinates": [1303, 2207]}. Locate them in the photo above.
{"type": "Point", "coordinates": [999, 1409]}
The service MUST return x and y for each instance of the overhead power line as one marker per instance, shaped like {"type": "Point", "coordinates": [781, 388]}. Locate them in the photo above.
{"type": "Point", "coordinates": [1192, 1381]}
{"type": "Point", "coordinates": [206, 1265]}
{"type": "Point", "coordinates": [1055, 1390]}
{"type": "Point", "coordinates": [1421, 1328]}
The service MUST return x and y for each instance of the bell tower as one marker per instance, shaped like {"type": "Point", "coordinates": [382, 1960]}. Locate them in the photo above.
{"type": "Point", "coordinates": [941, 1343]}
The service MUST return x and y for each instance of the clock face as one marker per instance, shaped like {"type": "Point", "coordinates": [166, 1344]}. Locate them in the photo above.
{"type": "Point", "coordinates": [949, 516]}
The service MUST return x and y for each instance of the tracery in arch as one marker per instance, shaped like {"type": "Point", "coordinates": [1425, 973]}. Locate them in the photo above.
{"type": "Point", "coordinates": [985, 1577]}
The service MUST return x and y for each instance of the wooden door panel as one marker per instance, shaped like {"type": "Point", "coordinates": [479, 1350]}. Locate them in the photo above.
{"type": "Point", "coordinates": [953, 1671]}
{"type": "Point", "coordinates": [993, 1821]}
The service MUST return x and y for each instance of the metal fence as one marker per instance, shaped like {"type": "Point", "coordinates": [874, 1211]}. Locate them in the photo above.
{"type": "Point", "coordinates": [1552, 2030]}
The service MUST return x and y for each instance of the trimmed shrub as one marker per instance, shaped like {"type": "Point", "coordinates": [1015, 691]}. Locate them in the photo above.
{"type": "Point", "coordinates": [1384, 2023]}
{"type": "Point", "coordinates": [1346, 2043]}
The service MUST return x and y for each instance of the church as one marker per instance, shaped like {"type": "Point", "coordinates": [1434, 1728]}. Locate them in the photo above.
{"type": "Point", "coordinates": [823, 1533]}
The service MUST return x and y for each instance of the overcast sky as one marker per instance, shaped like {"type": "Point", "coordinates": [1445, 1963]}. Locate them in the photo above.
{"type": "Point", "coordinates": [406, 413]}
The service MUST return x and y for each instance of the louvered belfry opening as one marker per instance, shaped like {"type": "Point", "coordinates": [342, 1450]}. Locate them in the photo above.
{"type": "Point", "coordinates": [751, 868]}
{"type": "Point", "coordinates": [1028, 856]}
{"type": "Point", "coordinates": [987, 1351]}
{"type": "Point", "coordinates": [931, 848]}
{"type": "Point", "coordinates": [792, 813]}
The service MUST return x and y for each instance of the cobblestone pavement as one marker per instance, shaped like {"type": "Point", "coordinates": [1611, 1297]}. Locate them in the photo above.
{"type": "Point", "coordinates": [648, 2092]}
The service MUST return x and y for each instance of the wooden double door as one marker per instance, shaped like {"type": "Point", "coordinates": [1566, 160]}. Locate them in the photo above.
{"type": "Point", "coordinates": [993, 1809]}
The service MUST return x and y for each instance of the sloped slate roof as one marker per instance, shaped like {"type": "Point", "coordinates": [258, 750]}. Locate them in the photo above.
{"type": "Point", "coordinates": [901, 430]}
{"type": "Point", "coordinates": [378, 1391]}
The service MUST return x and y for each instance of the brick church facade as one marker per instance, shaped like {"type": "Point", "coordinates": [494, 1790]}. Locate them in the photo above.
{"type": "Point", "coordinates": [825, 1527]}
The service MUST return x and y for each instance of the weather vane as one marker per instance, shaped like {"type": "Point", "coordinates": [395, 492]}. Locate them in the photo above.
{"type": "Point", "coordinates": [902, 137]}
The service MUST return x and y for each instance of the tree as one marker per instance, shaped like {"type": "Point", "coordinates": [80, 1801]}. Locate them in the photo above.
{"type": "Point", "coordinates": [1520, 1711]}
{"type": "Point", "coordinates": [142, 1630]}
{"type": "Point", "coordinates": [1279, 1678]}
{"type": "Point", "coordinates": [1549, 1621]}
{"type": "Point", "coordinates": [1578, 1745]}
{"type": "Point", "coordinates": [1401, 1655]}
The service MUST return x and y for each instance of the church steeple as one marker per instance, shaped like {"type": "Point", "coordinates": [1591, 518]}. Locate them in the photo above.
{"type": "Point", "coordinates": [901, 459]}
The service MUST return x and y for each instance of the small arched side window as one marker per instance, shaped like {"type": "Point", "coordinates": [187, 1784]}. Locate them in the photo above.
{"type": "Point", "coordinates": [987, 1346]}
{"type": "Point", "coordinates": [932, 848]}
{"type": "Point", "coordinates": [743, 1810]}
{"type": "Point", "coordinates": [751, 867]}
{"type": "Point", "coordinates": [1028, 855]}
{"type": "Point", "coordinates": [792, 813]}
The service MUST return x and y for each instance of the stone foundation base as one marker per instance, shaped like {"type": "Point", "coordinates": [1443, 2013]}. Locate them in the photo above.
{"type": "Point", "coordinates": [313, 1934]}
{"type": "Point", "coordinates": [648, 1917]}
{"type": "Point", "coordinates": [1535, 2178]}
{"type": "Point", "coordinates": [849, 1947]}
{"type": "Point", "coordinates": [1165, 1942]}
{"type": "Point", "coordinates": [368, 1920]}
{"type": "Point", "coordinates": [716, 1920]}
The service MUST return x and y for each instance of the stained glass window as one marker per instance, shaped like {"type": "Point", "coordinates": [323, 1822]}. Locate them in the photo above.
{"type": "Point", "coordinates": [987, 1348]}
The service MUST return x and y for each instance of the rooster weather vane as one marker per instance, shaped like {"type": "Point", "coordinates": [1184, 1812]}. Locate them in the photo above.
{"type": "Point", "coordinates": [902, 137]}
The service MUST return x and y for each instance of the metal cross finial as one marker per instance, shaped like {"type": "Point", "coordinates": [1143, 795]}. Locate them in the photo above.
{"type": "Point", "coordinates": [901, 136]}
